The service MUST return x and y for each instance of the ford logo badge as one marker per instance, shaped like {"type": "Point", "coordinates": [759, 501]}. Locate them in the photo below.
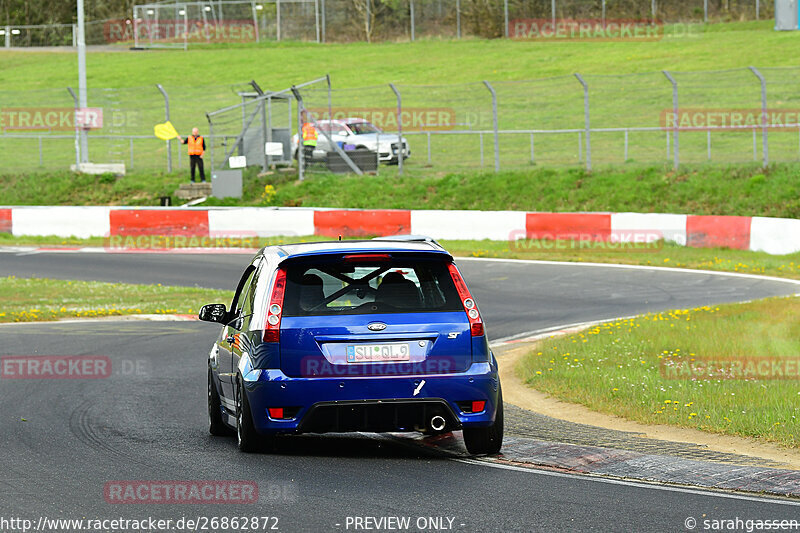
{"type": "Point", "coordinates": [376, 326]}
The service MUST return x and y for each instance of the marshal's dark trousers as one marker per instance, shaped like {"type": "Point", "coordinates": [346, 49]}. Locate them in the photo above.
{"type": "Point", "coordinates": [197, 161]}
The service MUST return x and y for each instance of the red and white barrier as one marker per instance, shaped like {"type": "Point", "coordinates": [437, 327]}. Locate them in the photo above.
{"type": "Point", "coordinates": [69, 221]}
{"type": "Point", "coordinates": [771, 235]}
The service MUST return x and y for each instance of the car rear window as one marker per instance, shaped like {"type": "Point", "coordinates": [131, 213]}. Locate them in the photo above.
{"type": "Point", "coordinates": [394, 286]}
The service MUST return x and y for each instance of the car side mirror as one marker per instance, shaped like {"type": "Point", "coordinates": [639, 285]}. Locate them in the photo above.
{"type": "Point", "coordinates": [213, 313]}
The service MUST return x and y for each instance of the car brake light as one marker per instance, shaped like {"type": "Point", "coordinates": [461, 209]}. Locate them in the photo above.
{"type": "Point", "coordinates": [366, 258]}
{"type": "Point", "coordinates": [478, 406]}
{"type": "Point", "coordinates": [275, 412]}
{"type": "Point", "coordinates": [475, 321]}
{"type": "Point", "coordinates": [272, 329]}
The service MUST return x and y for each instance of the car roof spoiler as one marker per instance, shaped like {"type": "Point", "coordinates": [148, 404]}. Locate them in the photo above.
{"type": "Point", "coordinates": [407, 238]}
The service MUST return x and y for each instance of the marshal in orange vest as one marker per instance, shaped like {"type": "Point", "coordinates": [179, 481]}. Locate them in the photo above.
{"type": "Point", "coordinates": [195, 145]}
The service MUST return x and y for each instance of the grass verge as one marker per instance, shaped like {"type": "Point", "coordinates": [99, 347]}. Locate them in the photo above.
{"type": "Point", "coordinates": [35, 299]}
{"type": "Point", "coordinates": [698, 368]}
{"type": "Point", "coordinates": [745, 190]}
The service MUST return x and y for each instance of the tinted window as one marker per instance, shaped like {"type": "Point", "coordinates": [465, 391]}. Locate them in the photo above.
{"type": "Point", "coordinates": [360, 128]}
{"type": "Point", "coordinates": [399, 286]}
{"type": "Point", "coordinates": [248, 302]}
{"type": "Point", "coordinates": [241, 290]}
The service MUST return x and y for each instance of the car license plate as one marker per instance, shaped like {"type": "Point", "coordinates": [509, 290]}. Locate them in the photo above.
{"type": "Point", "coordinates": [378, 353]}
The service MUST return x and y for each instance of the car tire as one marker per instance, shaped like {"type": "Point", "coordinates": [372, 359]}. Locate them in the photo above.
{"type": "Point", "coordinates": [215, 424]}
{"type": "Point", "coordinates": [248, 440]}
{"type": "Point", "coordinates": [487, 440]}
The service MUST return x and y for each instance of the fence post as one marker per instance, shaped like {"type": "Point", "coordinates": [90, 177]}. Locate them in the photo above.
{"type": "Point", "coordinates": [677, 157]}
{"type": "Point", "coordinates": [269, 128]}
{"type": "Point", "coordinates": [603, 15]}
{"type": "Point", "coordinates": [411, 7]}
{"type": "Point", "coordinates": [764, 134]}
{"type": "Point", "coordinates": [626, 145]}
{"type": "Point", "coordinates": [77, 135]}
{"type": "Point", "coordinates": [553, 12]}
{"type": "Point", "coordinates": [533, 150]}
{"type": "Point", "coordinates": [82, 88]}
{"type": "Point", "coordinates": [458, 19]}
{"type": "Point", "coordinates": [429, 147]}
{"type": "Point", "coordinates": [758, 9]}
{"type": "Point", "coordinates": [505, 17]}
{"type": "Point", "coordinates": [316, 18]}
{"type": "Point", "coordinates": [211, 140]}
{"type": "Point", "coordinates": [264, 162]}
{"type": "Point", "coordinates": [74, 36]}
{"type": "Point", "coordinates": [705, 11]}
{"type": "Point", "coordinates": [496, 133]}
{"type": "Point", "coordinates": [278, 20]}
{"type": "Point", "coordinates": [586, 120]}
{"type": "Point", "coordinates": [8, 36]}
{"type": "Point", "coordinates": [322, 8]}
{"type": "Point", "coordinates": [166, 115]}
{"type": "Point", "coordinates": [330, 97]}
{"type": "Point", "coordinates": [255, 19]}
{"type": "Point", "coordinates": [400, 146]}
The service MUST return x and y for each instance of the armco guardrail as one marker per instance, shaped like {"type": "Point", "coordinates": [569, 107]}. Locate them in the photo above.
{"type": "Point", "coordinates": [771, 235]}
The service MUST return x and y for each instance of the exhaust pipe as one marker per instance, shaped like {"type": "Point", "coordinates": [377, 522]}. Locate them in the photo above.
{"type": "Point", "coordinates": [438, 423]}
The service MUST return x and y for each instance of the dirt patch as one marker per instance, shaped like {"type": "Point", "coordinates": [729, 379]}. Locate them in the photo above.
{"type": "Point", "coordinates": [521, 395]}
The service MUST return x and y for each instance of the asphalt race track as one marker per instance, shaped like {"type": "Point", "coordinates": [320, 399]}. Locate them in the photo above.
{"type": "Point", "coordinates": [514, 297]}
{"type": "Point", "coordinates": [62, 441]}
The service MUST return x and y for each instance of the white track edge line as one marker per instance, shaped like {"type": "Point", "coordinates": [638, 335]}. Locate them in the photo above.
{"type": "Point", "coordinates": [655, 486]}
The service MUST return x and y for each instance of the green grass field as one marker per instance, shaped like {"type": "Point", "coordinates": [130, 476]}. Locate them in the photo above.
{"type": "Point", "coordinates": [717, 190]}
{"type": "Point", "coordinates": [697, 368]}
{"type": "Point", "coordinates": [421, 62]}
{"type": "Point", "coordinates": [34, 299]}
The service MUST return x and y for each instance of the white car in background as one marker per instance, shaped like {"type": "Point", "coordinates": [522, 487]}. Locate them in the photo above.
{"type": "Point", "coordinates": [356, 134]}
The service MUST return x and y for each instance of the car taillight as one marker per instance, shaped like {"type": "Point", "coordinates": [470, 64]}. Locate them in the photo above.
{"type": "Point", "coordinates": [272, 329]}
{"type": "Point", "coordinates": [475, 321]}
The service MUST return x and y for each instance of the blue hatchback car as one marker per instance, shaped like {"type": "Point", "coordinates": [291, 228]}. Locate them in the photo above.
{"type": "Point", "coordinates": [373, 336]}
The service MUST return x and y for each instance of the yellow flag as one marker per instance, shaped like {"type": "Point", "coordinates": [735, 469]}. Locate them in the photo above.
{"type": "Point", "coordinates": [165, 131]}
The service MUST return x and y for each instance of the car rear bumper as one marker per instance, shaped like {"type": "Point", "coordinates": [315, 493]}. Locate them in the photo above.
{"type": "Point", "coordinates": [385, 403]}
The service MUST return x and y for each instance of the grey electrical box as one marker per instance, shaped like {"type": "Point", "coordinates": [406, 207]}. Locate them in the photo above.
{"type": "Point", "coordinates": [226, 183]}
{"type": "Point", "coordinates": [786, 15]}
